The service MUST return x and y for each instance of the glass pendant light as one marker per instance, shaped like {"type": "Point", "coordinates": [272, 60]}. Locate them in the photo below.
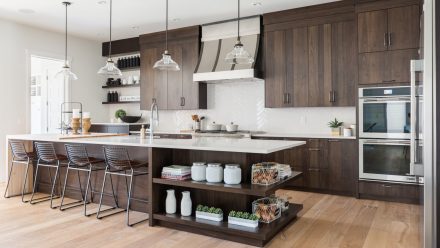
{"type": "Point", "coordinates": [239, 55]}
{"type": "Point", "coordinates": [65, 72]}
{"type": "Point", "coordinates": [110, 69]}
{"type": "Point", "coordinates": [166, 63]}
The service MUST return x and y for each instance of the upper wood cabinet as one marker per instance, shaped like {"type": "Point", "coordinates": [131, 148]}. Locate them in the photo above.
{"type": "Point", "coordinates": [311, 66]}
{"type": "Point", "coordinates": [171, 90]}
{"type": "Point", "coordinates": [389, 29]}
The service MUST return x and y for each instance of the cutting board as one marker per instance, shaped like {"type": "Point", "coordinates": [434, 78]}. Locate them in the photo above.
{"type": "Point", "coordinates": [91, 135]}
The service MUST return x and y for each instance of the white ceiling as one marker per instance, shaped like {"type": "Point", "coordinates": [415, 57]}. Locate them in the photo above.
{"type": "Point", "coordinates": [90, 19]}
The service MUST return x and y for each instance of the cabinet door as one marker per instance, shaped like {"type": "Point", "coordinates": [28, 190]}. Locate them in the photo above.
{"type": "Point", "coordinates": [297, 67]}
{"type": "Point", "coordinates": [192, 95]}
{"type": "Point", "coordinates": [404, 27]}
{"type": "Point", "coordinates": [147, 76]}
{"type": "Point", "coordinates": [160, 86]}
{"type": "Point", "coordinates": [344, 64]}
{"type": "Point", "coordinates": [174, 82]}
{"type": "Point", "coordinates": [342, 165]}
{"type": "Point", "coordinates": [373, 68]}
{"type": "Point", "coordinates": [399, 65]}
{"type": "Point", "coordinates": [275, 64]}
{"type": "Point", "coordinates": [317, 172]}
{"type": "Point", "coordinates": [297, 159]}
{"type": "Point", "coordinates": [372, 31]}
{"type": "Point", "coordinates": [320, 65]}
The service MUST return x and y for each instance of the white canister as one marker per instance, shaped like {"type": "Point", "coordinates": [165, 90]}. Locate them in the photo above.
{"type": "Point", "coordinates": [185, 204]}
{"type": "Point", "coordinates": [198, 171]}
{"type": "Point", "coordinates": [170, 202]}
{"type": "Point", "coordinates": [353, 129]}
{"type": "Point", "coordinates": [214, 173]}
{"type": "Point", "coordinates": [347, 132]}
{"type": "Point", "coordinates": [232, 174]}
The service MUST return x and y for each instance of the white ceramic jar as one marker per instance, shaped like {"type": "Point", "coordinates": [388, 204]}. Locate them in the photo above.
{"type": "Point", "coordinates": [170, 202]}
{"type": "Point", "coordinates": [198, 171]}
{"type": "Point", "coordinates": [186, 204]}
{"type": "Point", "coordinates": [232, 174]}
{"type": "Point", "coordinates": [214, 173]}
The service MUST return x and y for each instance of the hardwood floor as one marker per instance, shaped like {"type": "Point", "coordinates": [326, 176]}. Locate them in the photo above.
{"type": "Point", "coordinates": [325, 221]}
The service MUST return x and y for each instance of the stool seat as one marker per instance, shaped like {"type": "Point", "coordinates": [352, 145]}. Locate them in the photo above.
{"type": "Point", "coordinates": [30, 155]}
{"type": "Point", "coordinates": [61, 158]}
{"type": "Point", "coordinates": [82, 162]}
{"type": "Point", "coordinates": [127, 165]}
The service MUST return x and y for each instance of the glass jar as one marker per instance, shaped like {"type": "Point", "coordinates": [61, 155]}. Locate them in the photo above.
{"type": "Point", "coordinates": [232, 174]}
{"type": "Point", "coordinates": [214, 173]}
{"type": "Point", "coordinates": [198, 171]}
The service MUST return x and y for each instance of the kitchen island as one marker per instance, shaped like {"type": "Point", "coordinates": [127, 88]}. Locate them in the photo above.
{"type": "Point", "coordinates": [165, 152]}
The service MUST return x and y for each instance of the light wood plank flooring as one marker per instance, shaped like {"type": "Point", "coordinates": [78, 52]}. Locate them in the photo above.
{"type": "Point", "coordinates": [325, 221]}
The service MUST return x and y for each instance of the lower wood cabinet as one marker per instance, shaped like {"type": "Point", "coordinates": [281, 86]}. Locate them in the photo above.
{"type": "Point", "coordinates": [408, 193]}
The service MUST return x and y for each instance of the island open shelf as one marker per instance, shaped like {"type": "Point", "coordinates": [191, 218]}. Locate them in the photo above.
{"type": "Point", "coordinates": [255, 236]}
{"type": "Point", "coordinates": [243, 188]}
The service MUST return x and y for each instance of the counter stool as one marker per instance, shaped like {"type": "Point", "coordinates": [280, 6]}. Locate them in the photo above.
{"type": "Point", "coordinates": [19, 156]}
{"type": "Point", "coordinates": [79, 160]}
{"type": "Point", "coordinates": [47, 157]}
{"type": "Point", "coordinates": [118, 163]}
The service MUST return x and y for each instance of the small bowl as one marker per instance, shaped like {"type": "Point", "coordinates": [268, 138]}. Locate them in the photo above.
{"type": "Point", "coordinates": [131, 119]}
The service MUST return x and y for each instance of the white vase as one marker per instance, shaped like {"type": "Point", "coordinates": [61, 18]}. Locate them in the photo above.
{"type": "Point", "coordinates": [170, 202]}
{"type": "Point", "coordinates": [185, 204]}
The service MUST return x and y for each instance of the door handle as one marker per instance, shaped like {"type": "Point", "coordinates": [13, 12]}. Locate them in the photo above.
{"type": "Point", "coordinates": [184, 102]}
{"type": "Point", "coordinates": [389, 40]}
{"type": "Point", "coordinates": [311, 169]}
{"type": "Point", "coordinates": [385, 40]}
{"type": "Point", "coordinates": [314, 149]}
{"type": "Point", "coordinates": [386, 186]}
{"type": "Point", "coordinates": [333, 96]}
{"type": "Point", "coordinates": [288, 98]}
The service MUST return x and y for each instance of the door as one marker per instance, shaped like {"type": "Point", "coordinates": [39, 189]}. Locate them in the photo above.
{"type": "Point", "coordinates": [297, 67]}
{"type": "Point", "coordinates": [47, 94]}
{"type": "Point", "coordinates": [275, 64]}
{"type": "Point", "coordinates": [403, 27]}
{"type": "Point", "coordinates": [372, 31]}
{"type": "Point", "coordinates": [190, 89]}
{"type": "Point", "coordinates": [344, 64]}
{"type": "Point", "coordinates": [320, 66]}
{"type": "Point", "coordinates": [174, 80]}
{"type": "Point", "coordinates": [148, 57]}
{"type": "Point", "coordinates": [399, 65]}
{"type": "Point", "coordinates": [342, 161]}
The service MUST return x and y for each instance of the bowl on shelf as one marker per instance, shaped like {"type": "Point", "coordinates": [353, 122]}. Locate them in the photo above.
{"type": "Point", "coordinates": [131, 119]}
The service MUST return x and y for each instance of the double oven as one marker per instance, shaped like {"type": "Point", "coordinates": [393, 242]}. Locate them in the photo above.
{"type": "Point", "coordinates": [387, 144]}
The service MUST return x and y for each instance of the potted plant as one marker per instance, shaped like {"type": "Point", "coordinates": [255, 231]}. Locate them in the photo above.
{"type": "Point", "coordinates": [119, 114]}
{"type": "Point", "coordinates": [243, 219]}
{"type": "Point", "coordinates": [209, 213]}
{"type": "Point", "coordinates": [335, 126]}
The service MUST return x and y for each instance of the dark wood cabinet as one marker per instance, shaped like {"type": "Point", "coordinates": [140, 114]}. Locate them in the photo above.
{"type": "Point", "coordinates": [388, 38]}
{"type": "Point", "coordinates": [317, 166]}
{"type": "Point", "coordinates": [311, 65]}
{"type": "Point", "coordinates": [342, 164]}
{"type": "Point", "coordinates": [407, 193]}
{"type": "Point", "coordinates": [386, 67]}
{"type": "Point", "coordinates": [172, 90]}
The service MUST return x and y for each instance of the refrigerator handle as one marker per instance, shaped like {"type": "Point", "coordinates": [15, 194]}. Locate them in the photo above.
{"type": "Point", "coordinates": [416, 66]}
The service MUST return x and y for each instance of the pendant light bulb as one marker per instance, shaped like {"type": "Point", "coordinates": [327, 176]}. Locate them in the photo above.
{"type": "Point", "coordinates": [239, 55]}
{"type": "Point", "coordinates": [65, 71]}
{"type": "Point", "coordinates": [110, 68]}
{"type": "Point", "coordinates": [166, 63]}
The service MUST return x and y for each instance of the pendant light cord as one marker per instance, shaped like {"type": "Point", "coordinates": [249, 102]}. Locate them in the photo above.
{"type": "Point", "coordinates": [110, 42]}
{"type": "Point", "coordinates": [65, 42]}
{"type": "Point", "coordinates": [238, 38]}
{"type": "Point", "coordinates": [166, 27]}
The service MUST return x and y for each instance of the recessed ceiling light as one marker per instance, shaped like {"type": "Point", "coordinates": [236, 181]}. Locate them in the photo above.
{"type": "Point", "coordinates": [175, 19]}
{"type": "Point", "coordinates": [26, 11]}
{"type": "Point", "coordinates": [257, 4]}
{"type": "Point", "coordinates": [102, 2]}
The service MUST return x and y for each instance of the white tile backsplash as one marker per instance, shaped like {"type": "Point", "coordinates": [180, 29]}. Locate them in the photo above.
{"type": "Point", "coordinates": [243, 104]}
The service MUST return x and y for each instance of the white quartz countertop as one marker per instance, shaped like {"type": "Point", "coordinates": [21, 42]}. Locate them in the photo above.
{"type": "Point", "coordinates": [196, 143]}
{"type": "Point", "coordinates": [301, 135]}
{"type": "Point", "coordinates": [117, 123]}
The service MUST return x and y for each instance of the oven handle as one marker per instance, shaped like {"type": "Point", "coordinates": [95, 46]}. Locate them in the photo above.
{"type": "Point", "coordinates": [370, 100]}
{"type": "Point", "coordinates": [387, 142]}
{"type": "Point", "coordinates": [416, 66]}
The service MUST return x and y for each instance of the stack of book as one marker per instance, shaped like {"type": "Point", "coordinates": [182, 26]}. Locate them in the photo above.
{"type": "Point", "coordinates": [176, 172]}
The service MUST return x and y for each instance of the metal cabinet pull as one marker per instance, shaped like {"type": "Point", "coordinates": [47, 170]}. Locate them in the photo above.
{"type": "Point", "coordinates": [288, 98]}
{"type": "Point", "coordinates": [312, 169]}
{"type": "Point", "coordinates": [386, 186]}
{"type": "Point", "coordinates": [184, 101]}
{"type": "Point", "coordinates": [333, 96]}
{"type": "Point", "coordinates": [333, 140]}
{"type": "Point", "coordinates": [385, 40]}
{"type": "Point", "coordinates": [314, 149]}
{"type": "Point", "coordinates": [389, 39]}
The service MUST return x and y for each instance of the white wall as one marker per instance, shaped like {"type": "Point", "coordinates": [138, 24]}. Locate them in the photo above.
{"type": "Point", "coordinates": [243, 104]}
{"type": "Point", "coordinates": [16, 43]}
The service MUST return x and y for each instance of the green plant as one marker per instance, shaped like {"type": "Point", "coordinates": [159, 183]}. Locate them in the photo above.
{"type": "Point", "coordinates": [211, 210]}
{"type": "Point", "coordinates": [199, 208]}
{"type": "Point", "coordinates": [120, 113]}
{"type": "Point", "coordinates": [335, 123]}
{"type": "Point", "coordinates": [218, 211]}
{"type": "Point", "coordinates": [232, 213]}
{"type": "Point", "coordinates": [205, 209]}
{"type": "Point", "coordinates": [253, 217]}
{"type": "Point", "coordinates": [245, 215]}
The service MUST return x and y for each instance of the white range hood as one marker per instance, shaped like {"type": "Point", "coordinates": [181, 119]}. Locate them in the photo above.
{"type": "Point", "coordinates": [217, 40]}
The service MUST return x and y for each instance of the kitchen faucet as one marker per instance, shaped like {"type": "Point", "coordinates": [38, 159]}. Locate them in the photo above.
{"type": "Point", "coordinates": [154, 119]}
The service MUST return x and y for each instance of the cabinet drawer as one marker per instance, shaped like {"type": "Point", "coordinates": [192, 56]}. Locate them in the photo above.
{"type": "Point", "coordinates": [406, 193]}
{"type": "Point", "coordinates": [317, 178]}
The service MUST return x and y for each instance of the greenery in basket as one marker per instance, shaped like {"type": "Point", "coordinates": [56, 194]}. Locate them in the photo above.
{"type": "Point", "coordinates": [335, 123]}
{"type": "Point", "coordinates": [211, 210]}
{"type": "Point", "coordinates": [243, 215]}
{"type": "Point", "coordinates": [120, 113]}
